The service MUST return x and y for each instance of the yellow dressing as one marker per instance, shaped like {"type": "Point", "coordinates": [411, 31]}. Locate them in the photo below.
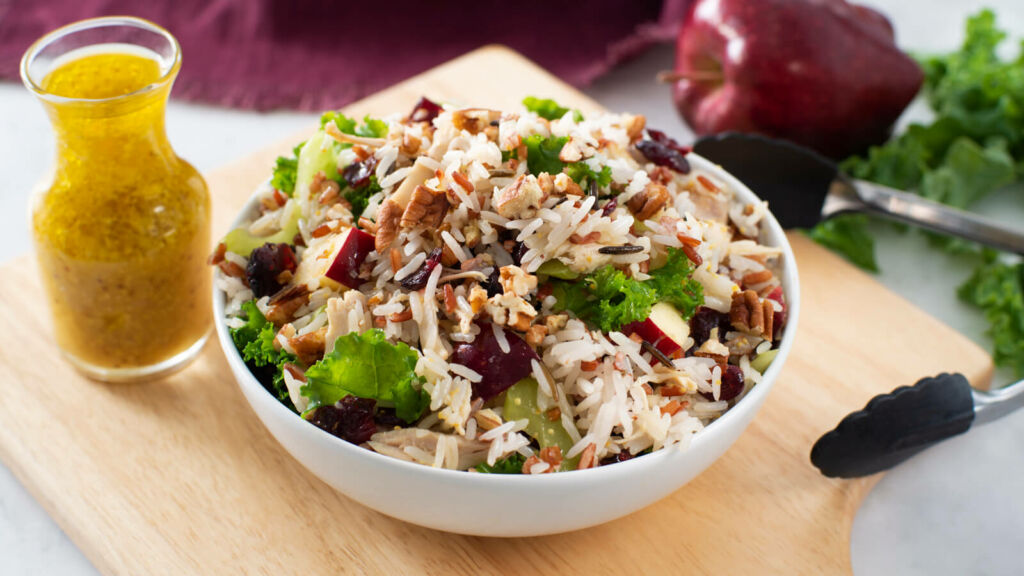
{"type": "Point", "coordinates": [123, 230]}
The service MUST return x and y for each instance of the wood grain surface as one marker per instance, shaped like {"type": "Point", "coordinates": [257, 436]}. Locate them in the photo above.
{"type": "Point", "coordinates": [178, 476]}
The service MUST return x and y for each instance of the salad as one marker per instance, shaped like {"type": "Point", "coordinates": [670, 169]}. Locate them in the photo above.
{"type": "Point", "coordinates": [524, 292]}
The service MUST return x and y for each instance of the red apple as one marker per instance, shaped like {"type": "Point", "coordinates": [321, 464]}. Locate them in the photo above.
{"type": "Point", "coordinates": [664, 328]}
{"type": "Point", "coordinates": [334, 259]}
{"type": "Point", "coordinates": [823, 73]}
{"type": "Point", "coordinates": [351, 252]}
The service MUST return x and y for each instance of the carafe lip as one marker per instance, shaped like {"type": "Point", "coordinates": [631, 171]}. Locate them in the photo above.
{"type": "Point", "coordinates": [170, 66]}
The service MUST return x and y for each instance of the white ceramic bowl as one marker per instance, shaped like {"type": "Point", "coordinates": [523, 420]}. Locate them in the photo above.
{"type": "Point", "coordinates": [514, 505]}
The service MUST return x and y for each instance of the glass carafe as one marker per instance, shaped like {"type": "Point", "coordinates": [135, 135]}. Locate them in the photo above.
{"type": "Point", "coordinates": [122, 229]}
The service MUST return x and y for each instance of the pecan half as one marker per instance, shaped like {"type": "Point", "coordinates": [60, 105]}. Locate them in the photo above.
{"type": "Point", "coordinates": [750, 315]}
{"type": "Point", "coordinates": [649, 201]}
{"type": "Point", "coordinates": [426, 206]}
{"type": "Point", "coordinates": [388, 218]}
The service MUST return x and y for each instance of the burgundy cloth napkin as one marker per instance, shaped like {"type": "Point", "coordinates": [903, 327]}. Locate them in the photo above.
{"type": "Point", "coordinates": [321, 54]}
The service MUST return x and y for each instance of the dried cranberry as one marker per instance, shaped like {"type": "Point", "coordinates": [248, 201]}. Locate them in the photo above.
{"type": "Point", "coordinates": [610, 206]}
{"type": "Point", "coordinates": [704, 321]}
{"type": "Point", "coordinates": [518, 252]}
{"type": "Point", "coordinates": [418, 279]}
{"type": "Point", "coordinates": [424, 111]}
{"type": "Point", "coordinates": [357, 174]}
{"type": "Point", "coordinates": [662, 138]}
{"type": "Point", "coordinates": [266, 264]}
{"type": "Point", "coordinates": [662, 155]}
{"type": "Point", "coordinates": [387, 418]}
{"type": "Point", "coordinates": [493, 284]}
{"type": "Point", "coordinates": [350, 419]}
{"type": "Point", "coordinates": [732, 384]}
{"type": "Point", "coordinates": [616, 458]}
{"type": "Point", "coordinates": [498, 369]}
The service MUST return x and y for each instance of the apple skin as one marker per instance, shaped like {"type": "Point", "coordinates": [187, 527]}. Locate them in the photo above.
{"type": "Point", "coordinates": [822, 73]}
{"type": "Point", "coordinates": [354, 249]}
{"type": "Point", "coordinates": [664, 328]}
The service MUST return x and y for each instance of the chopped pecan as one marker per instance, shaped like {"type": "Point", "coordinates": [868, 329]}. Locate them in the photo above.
{"type": "Point", "coordinates": [649, 201]}
{"type": "Point", "coordinates": [426, 206]}
{"type": "Point", "coordinates": [515, 280]}
{"type": "Point", "coordinates": [410, 144]}
{"type": "Point", "coordinates": [310, 346]}
{"type": "Point", "coordinates": [477, 298]}
{"type": "Point", "coordinates": [571, 152]}
{"type": "Point", "coordinates": [448, 258]}
{"type": "Point", "coordinates": [546, 182]}
{"type": "Point", "coordinates": [518, 198]}
{"type": "Point", "coordinates": [566, 185]}
{"type": "Point", "coordinates": [329, 191]}
{"type": "Point", "coordinates": [388, 218]}
{"type": "Point", "coordinates": [747, 313]}
{"type": "Point", "coordinates": [475, 120]}
{"type": "Point", "coordinates": [472, 234]}
{"type": "Point", "coordinates": [283, 310]}
{"type": "Point", "coordinates": [535, 335]}
{"type": "Point", "coordinates": [759, 277]}
{"type": "Point", "coordinates": [635, 127]}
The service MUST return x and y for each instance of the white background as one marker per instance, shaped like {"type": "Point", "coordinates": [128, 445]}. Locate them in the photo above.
{"type": "Point", "coordinates": [956, 509]}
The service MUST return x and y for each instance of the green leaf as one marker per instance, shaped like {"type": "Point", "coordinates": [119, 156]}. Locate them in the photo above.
{"type": "Point", "coordinates": [285, 171]}
{"type": "Point", "coordinates": [548, 108]}
{"type": "Point", "coordinates": [542, 154]}
{"type": "Point", "coordinates": [511, 464]}
{"type": "Point", "coordinates": [968, 173]}
{"type": "Point", "coordinates": [674, 284]}
{"type": "Point", "coordinates": [253, 323]}
{"type": "Point", "coordinates": [360, 197]}
{"type": "Point", "coordinates": [608, 299]}
{"type": "Point", "coordinates": [368, 366]}
{"type": "Point", "coordinates": [996, 288]}
{"type": "Point", "coordinates": [848, 235]}
{"type": "Point", "coordinates": [582, 173]}
{"type": "Point", "coordinates": [255, 342]}
{"type": "Point", "coordinates": [372, 128]}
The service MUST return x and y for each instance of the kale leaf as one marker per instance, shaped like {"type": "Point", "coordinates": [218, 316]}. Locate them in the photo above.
{"type": "Point", "coordinates": [542, 153]}
{"type": "Point", "coordinates": [998, 289]}
{"type": "Point", "coordinates": [368, 366]}
{"type": "Point", "coordinates": [285, 171]}
{"type": "Point", "coordinates": [549, 109]}
{"type": "Point", "coordinates": [674, 284]}
{"type": "Point", "coordinates": [255, 342]}
{"type": "Point", "coordinates": [609, 299]}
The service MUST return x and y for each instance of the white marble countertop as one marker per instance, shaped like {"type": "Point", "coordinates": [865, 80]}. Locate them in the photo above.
{"type": "Point", "coordinates": [956, 509]}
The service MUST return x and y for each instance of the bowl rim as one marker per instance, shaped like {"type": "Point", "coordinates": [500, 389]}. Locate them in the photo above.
{"type": "Point", "coordinates": [753, 400]}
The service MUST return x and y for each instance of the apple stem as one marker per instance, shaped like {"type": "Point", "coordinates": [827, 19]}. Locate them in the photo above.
{"type": "Point", "coordinates": [670, 76]}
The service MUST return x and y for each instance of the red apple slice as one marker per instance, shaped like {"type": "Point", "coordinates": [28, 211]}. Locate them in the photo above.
{"type": "Point", "coordinates": [665, 328]}
{"type": "Point", "coordinates": [334, 259]}
{"type": "Point", "coordinates": [351, 252]}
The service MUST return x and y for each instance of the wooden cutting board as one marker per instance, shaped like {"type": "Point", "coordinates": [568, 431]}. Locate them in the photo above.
{"type": "Point", "coordinates": [179, 477]}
